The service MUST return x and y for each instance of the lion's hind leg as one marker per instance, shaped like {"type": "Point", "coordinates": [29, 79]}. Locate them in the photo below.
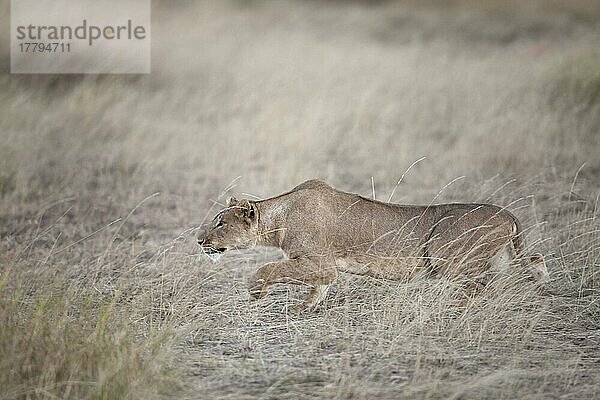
{"type": "Point", "coordinates": [504, 260]}
{"type": "Point", "coordinates": [470, 246]}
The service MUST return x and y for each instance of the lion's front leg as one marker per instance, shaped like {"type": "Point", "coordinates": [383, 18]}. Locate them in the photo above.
{"type": "Point", "coordinates": [299, 271]}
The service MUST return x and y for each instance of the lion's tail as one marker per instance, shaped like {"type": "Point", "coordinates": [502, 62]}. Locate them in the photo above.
{"type": "Point", "coordinates": [535, 262]}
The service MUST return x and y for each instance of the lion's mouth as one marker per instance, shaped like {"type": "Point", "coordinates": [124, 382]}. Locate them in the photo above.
{"type": "Point", "coordinates": [213, 250]}
{"type": "Point", "coordinates": [213, 253]}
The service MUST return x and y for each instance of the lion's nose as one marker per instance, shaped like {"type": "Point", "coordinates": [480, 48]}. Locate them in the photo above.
{"type": "Point", "coordinates": [201, 241]}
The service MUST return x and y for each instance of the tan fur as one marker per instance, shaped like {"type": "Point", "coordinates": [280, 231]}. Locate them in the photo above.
{"type": "Point", "coordinates": [323, 230]}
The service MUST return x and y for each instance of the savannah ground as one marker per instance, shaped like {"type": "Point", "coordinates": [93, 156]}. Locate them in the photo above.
{"type": "Point", "coordinates": [104, 181]}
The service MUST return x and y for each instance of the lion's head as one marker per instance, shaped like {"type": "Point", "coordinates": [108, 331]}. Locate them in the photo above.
{"type": "Point", "coordinates": [235, 227]}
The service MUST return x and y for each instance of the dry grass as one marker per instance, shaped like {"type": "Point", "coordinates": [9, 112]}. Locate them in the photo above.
{"type": "Point", "coordinates": [104, 180]}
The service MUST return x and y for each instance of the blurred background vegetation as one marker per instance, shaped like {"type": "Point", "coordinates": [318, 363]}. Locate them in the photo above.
{"type": "Point", "coordinates": [104, 179]}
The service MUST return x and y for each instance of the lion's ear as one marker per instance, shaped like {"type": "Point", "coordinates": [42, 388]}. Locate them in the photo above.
{"type": "Point", "coordinates": [231, 201]}
{"type": "Point", "coordinates": [246, 210]}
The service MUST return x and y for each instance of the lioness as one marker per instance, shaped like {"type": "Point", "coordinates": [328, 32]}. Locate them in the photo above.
{"type": "Point", "coordinates": [323, 230]}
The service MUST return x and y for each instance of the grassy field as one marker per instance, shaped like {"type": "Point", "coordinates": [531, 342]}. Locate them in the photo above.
{"type": "Point", "coordinates": [104, 181]}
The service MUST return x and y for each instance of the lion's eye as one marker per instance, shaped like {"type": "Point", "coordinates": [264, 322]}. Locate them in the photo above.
{"type": "Point", "coordinates": [220, 224]}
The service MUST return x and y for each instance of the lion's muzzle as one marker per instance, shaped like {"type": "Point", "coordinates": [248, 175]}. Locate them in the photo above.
{"type": "Point", "coordinates": [214, 253]}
